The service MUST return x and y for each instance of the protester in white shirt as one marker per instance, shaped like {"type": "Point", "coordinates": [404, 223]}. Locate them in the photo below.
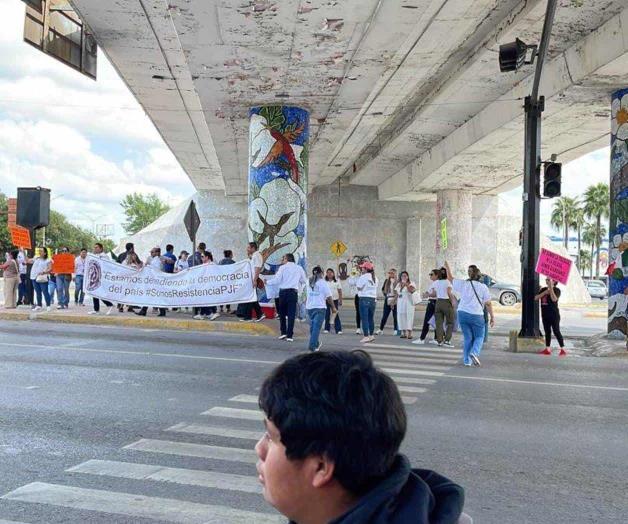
{"type": "Point", "coordinates": [475, 299]}
{"type": "Point", "coordinates": [155, 260]}
{"type": "Point", "coordinates": [288, 279]}
{"type": "Point", "coordinates": [336, 296]}
{"type": "Point", "coordinates": [367, 292]}
{"type": "Point", "coordinates": [40, 274]}
{"type": "Point", "coordinates": [206, 312]}
{"type": "Point", "coordinates": [79, 274]}
{"type": "Point", "coordinates": [444, 309]}
{"type": "Point", "coordinates": [430, 294]}
{"type": "Point", "coordinates": [352, 280]}
{"type": "Point", "coordinates": [182, 262]}
{"type": "Point", "coordinates": [405, 306]}
{"type": "Point", "coordinates": [257, 264]}
{"type": "Point", "coordinates": [100, 253]}
{"type": "Point", "coordinates": [21, 288]}
{"type": "Point", "coordinates": [319, 298]}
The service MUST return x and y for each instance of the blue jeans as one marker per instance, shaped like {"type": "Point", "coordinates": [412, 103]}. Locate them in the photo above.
{"type": "Point", "coordinates": [317, 317]}
{"type": "Point", "coordinates": [367, 315]}
{"type": "Point", "coordinates": [337, 323]}
{"type": "Point", "coordinates": [63, 289]}
{"type": "Point", "coordinates": [41, 287]}
{"type": "Point", "coordinates": [52, 286]}
{"type": "Point", "coordinates": [473, 332]}
{"type": "Point", "coordinates": [79, 294]}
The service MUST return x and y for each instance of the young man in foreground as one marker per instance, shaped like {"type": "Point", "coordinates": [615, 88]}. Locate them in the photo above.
{"type": "Point", "coordinates": [334, 424]}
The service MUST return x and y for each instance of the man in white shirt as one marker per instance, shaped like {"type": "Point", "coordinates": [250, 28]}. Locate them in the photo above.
{"type": "Point", "coordinates": [155, 260]}
{"type": "Point", "coordinates": [79, 273]}
{"type": "Point", "coordinates": [99, 251]}
{"type": "Point", "coordinates": [288, 279]}
{"type": "Point", "coordinates": [257, 261]}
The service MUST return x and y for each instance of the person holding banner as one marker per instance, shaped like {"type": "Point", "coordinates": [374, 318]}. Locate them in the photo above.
{"type": "Point", "coordinates": [550, 315]}
{"type": "Point", "coordinates": [155, 260]}
{"type": "Point", "coordinates": [63, 285]}
{"type": "Point", "coordinates": [257, 263]}
{"type": "Point", "coordinates": [22, 295]}
{"type": "Point", "coordinates": [99, 252]}
{"type": "Point", "coordinates": [11, 271]}
{"type": "Point", "coordinates": [79, 275]}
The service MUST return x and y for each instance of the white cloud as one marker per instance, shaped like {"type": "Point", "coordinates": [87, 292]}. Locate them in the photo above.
{"type": "Point", "coordinates": [89, 142]}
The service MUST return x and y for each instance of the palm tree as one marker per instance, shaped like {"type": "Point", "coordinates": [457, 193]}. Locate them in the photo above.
{"type": "Point", "coordinates": [562, 216]}
{"type": "Point", "coordinates": [585, 258]}
{"type": "Point", "coordinates": [597, 206]}
{"type": "Point", "coordinates": [577, 222]}
{"type": "Point", "coordinates": [588, 237]}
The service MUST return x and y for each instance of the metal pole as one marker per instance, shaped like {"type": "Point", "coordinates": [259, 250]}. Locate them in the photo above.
{"type": "Point", "coordinates": [531, 187]}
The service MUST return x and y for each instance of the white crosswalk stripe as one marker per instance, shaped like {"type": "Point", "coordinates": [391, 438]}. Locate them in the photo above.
{"type": "Point", "coordinates": [207, 479]}
{"type": "Point", "coordinates": [136, 506]}
{"type": "Point", "coordinates": [246, 414]}
{"type": "Point", "coordinates": [408, 400]}
{"type": "Point", "coordinates": [194, 450]}
{"type": "Point", "coordinates": [414, 354]}
{"type": "Point", "coordinates": [201, 429]}
{"type": "Point", "coordinates": [401, 371]}
{"type": "Point", "coordinates": [10, 522]}
{"type": "Point", "coordinates": [410, 389]}
{"type": "Point", "coordinates": [408, 365]}
{"type": "Point", "coordinates": [412, 347]}
{"type": "Point", "coordinates": [413, 380]}
{"type": "Point", "coordinates": [248, 399]}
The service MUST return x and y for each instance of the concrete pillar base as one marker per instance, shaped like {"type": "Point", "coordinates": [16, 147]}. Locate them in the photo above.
{"type": "Point", "coordinates": [454, 210]}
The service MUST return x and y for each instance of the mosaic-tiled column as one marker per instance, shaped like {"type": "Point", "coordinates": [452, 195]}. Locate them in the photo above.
{"type": "Point", "coordinates": [618, 230]}
{"type": "Point", "coordinates": [454, 221]}
{"type": "Point", "coordinates": [278, 172]}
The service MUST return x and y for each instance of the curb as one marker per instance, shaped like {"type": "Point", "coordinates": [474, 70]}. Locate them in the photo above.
{"type": "Point", "coordinates": [249, 328]}
{"type": "Point", "coordinates": [596, 314]}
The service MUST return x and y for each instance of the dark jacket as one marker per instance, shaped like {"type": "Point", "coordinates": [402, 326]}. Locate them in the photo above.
{"type": "Point", "coordinates": [408, 496]}
{"type": "Point", "coordinates": [226, 262]}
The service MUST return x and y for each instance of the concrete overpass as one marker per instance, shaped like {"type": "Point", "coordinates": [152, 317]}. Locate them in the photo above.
{"type": "Point", "coordinates": [403, 96]}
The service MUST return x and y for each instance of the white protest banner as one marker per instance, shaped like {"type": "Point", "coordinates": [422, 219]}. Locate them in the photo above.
{"type": "Point", "coordinates": [205, 285]}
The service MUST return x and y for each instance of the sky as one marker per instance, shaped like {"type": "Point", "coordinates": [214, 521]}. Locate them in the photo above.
{"type": "Point", "coordinates": [91, 143]}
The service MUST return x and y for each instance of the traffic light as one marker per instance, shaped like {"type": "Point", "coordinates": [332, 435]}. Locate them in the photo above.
{"type": "Point", "coordinates": [552, 180]}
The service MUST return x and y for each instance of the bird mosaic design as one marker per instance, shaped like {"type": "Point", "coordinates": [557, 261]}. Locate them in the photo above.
{"type": "Point", "coordinates": [283, 147]}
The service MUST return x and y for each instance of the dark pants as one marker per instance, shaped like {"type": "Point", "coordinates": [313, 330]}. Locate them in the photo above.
{"type": "Point", "coordinates": [21, 290]}
{"type": "Point", "coordinates": [551, 322]}
{"type": "Point", "coordinates": [356, 302]}
{"type": "Point", "coordinates": [429, 313]}
{"type": "Point", "coordinates": [387, 311]}
{"type": "Point", "coordinates": [162, 311]}
{"type": "Point", "coordinates": [205, 311]}
{"type": "Point", "coordinates": [97, 304]}
{"type": "Point", "coordinates": [42, 288]}
{"type": "Point", "coordinates": [337, 323]}
{"type": "Point", "coordinates": [79, 294]}
{"type": "Point", "coordinates": [287, 308]}
{"type": "Point", "coordinates": [250, 307]}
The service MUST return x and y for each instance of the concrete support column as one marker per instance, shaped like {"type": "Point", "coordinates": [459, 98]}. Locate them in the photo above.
{"type": "Point", "coordinates": [278, 173]}
{"type": "Point", "coordinates": [618, 230]}
{"type": "Point", "coordinates": [455, 207]}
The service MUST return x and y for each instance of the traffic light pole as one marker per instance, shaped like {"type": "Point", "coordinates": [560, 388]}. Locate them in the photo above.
{"type": "Point", "coordinates": [534, 107]}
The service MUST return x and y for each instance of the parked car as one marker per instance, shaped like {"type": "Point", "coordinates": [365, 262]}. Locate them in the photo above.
{"type": "Point", "coordinates": [505, 294]}
{"type": "Point", "coordinates": [597, 289]}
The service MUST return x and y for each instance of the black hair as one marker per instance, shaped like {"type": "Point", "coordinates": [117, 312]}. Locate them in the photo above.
{"type": "Point", "coordinates": [253, 245]}
{"type": "Point", "coordinates": [129, 246]}
{"type": "Point", "coordinates": [83, 249]}
{"type": "Point", "coordinates": [317, 273]}
{"type": "Point", "coordinates": [289, 257]}
{"type": "Point", "coordinates": [99, 245]}
{"type": "Point", "coordinates": [334, 277]}
{"type": "Point", "coordinates": [14, 253]}
{"type": "Point", "coordinates": [404, 273]}
{"type": "Point", "coordinates": [169, 247]}
{"type": "Point", "coordinates": [208, 254]}
{"type": "Point", "coordinates": [228, 253]}
{"type": "Point", "coordinates": [202, 247]}
{"type": "Point", "coordinates": [45, 251]}
{"type": "Point", "coordinates": [442, 274]}
{"type": "Point", "coordinates": [339, 405]}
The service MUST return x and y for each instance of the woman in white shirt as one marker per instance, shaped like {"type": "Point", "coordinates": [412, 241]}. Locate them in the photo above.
{"type": "Point", "coordinates": [318, 299]}
{"type": "Point", "coordinates": [405, 307]}
{"type": "Point", "coordinates": [336, 296]}
{"type": "Point", "coordinates": [366, 285]}
{"type": "Point", "coordinates": [182, 262]}
{"type": "Point", "coordinates": [40, 275]}
{"type": "Point", "coordinates": [475, 298]}
{"type": "Point", "coordinates": [444, 309]}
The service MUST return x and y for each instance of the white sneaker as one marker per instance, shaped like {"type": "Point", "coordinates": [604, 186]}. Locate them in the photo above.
{"type": "Point", "coordinates": [379, 332]}
{"type": "Point", "coordinates": [318, 348]}
{"type": "Point", "coordinates": [36, 308]}
{"type": "Point", "coordinates": [198, 317]}
{"type": "Point", "coordinates": [47, 308]}
{"type": "Point", "coordinates": [261, 318]}
{"type": "Point", "coordinates": [339, 333]}
{"type": "Point", "coordinates": [325, 331]}
{"type": "Point", "coordinates": [448, 344]}
{"type": "Point", "coordinates": [358, 331]}
{"type": "Point", "coordinates": [93, 312]}
{"type": "Point", "coordinates": [371, 338]}
{"type": "Point", "coordinates": [434, 341]}
{"type": "Point", "coordinates": [419, 341]}
{"type": "Point", "coordinates": [109, 311]}
{"type": "Point", "coordinates": [281, 337]}
{"type": "Point", "coordinates": [289, 339]}
{"type": "Point", "coordinates": [59, 307]}
{"type": "Point", "coordinates": [365, 340]}
{"type": "Point", "coordinates": [214, 316]}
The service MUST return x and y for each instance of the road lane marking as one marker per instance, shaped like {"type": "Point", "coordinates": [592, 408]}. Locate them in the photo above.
{"type": "Point", "coordinates": [190, 477]}
{"type": "Point", "coordinates": [250, 399]}
{"type": "Point", "coordinates": [201, 429]}
{"type": "Point", "coordinates": [409, 365]}
{"type": "Point", "coordinates": [416, 348]}
{"type": "Point", "coordinates": [137, 506]}
{"type": "Point", "coordinates": [414, 354]}
{"type": "Point", "coordinates": [194, 450]}
{"type": "Point", "coordinates": [539, 383]}
{"type": "Point", "coordinates": [245, 414]}
{"type": "Point", "coordinates": [410, 389]}
{"type": "Point", "coordinates": [413, 380]}
{"type": "Point", "coordinates": [396, 371]}
{"type": "Point", "coordinates": [10, 522]}
{"type": "Point", "coordinates": [408, 400]}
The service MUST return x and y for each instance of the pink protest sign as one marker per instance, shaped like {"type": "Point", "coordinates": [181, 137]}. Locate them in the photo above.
{"type": "Point", "coordinates": [554, 266]}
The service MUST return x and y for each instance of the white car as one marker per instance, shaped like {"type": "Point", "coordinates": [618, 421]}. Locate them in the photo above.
{"type": "Point", "coordinates": [597, 289]}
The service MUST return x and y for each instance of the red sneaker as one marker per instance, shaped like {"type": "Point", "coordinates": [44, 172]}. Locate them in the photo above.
{"type": "Point", "coordinates": [546, 351]}
{"type": "Point", "coordinates": [562, 353]}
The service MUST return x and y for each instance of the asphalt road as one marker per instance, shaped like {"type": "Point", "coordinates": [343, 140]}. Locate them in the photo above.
{"type": "Point", "coordinates": [139, 419]}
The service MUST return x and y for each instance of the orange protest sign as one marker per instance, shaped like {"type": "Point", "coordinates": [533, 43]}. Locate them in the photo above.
{"type": "Point", "coordinates": [63, 263]}
{"type": "Point", "coordinates": [20, 237]}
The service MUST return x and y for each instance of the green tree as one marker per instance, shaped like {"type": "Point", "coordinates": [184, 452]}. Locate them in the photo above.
{"type": "Point", "coordinates": [562, 216]}
{"type": "Point", "coordinates": [588, 237]}
{"type": "Point", "coordinates": [5, 236]}
{"type": "Point", "coordinates": [597, 206]}
{"type": "Point", "coordinates": [60, 233]}
{"type": "Point", "coordinates": [142, 210]}
{"type": "Point", "coordinates": [586, 261]}
{"type": "Point", "coordinates": [578, 220]}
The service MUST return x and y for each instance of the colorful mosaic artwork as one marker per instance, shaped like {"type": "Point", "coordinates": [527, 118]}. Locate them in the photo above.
{"type": "Point", "coordinates": [278, 172]}
{"type": "Point", "coordinates": [618, 256]}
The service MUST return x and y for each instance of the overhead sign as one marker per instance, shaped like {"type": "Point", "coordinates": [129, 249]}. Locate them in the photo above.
{"type": "Point", "coordinates": [63, 264]}
{"type": "Point", "coordinates": [192, 221]}
{"type": "Point", "coordinates": [20, 237]}
{"type": "Point", "coordinates": [554, 266]}
{"type": "Point", "coordinates": [443, 234]}
{"type": "Point", "coordinates": [338, 248]}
